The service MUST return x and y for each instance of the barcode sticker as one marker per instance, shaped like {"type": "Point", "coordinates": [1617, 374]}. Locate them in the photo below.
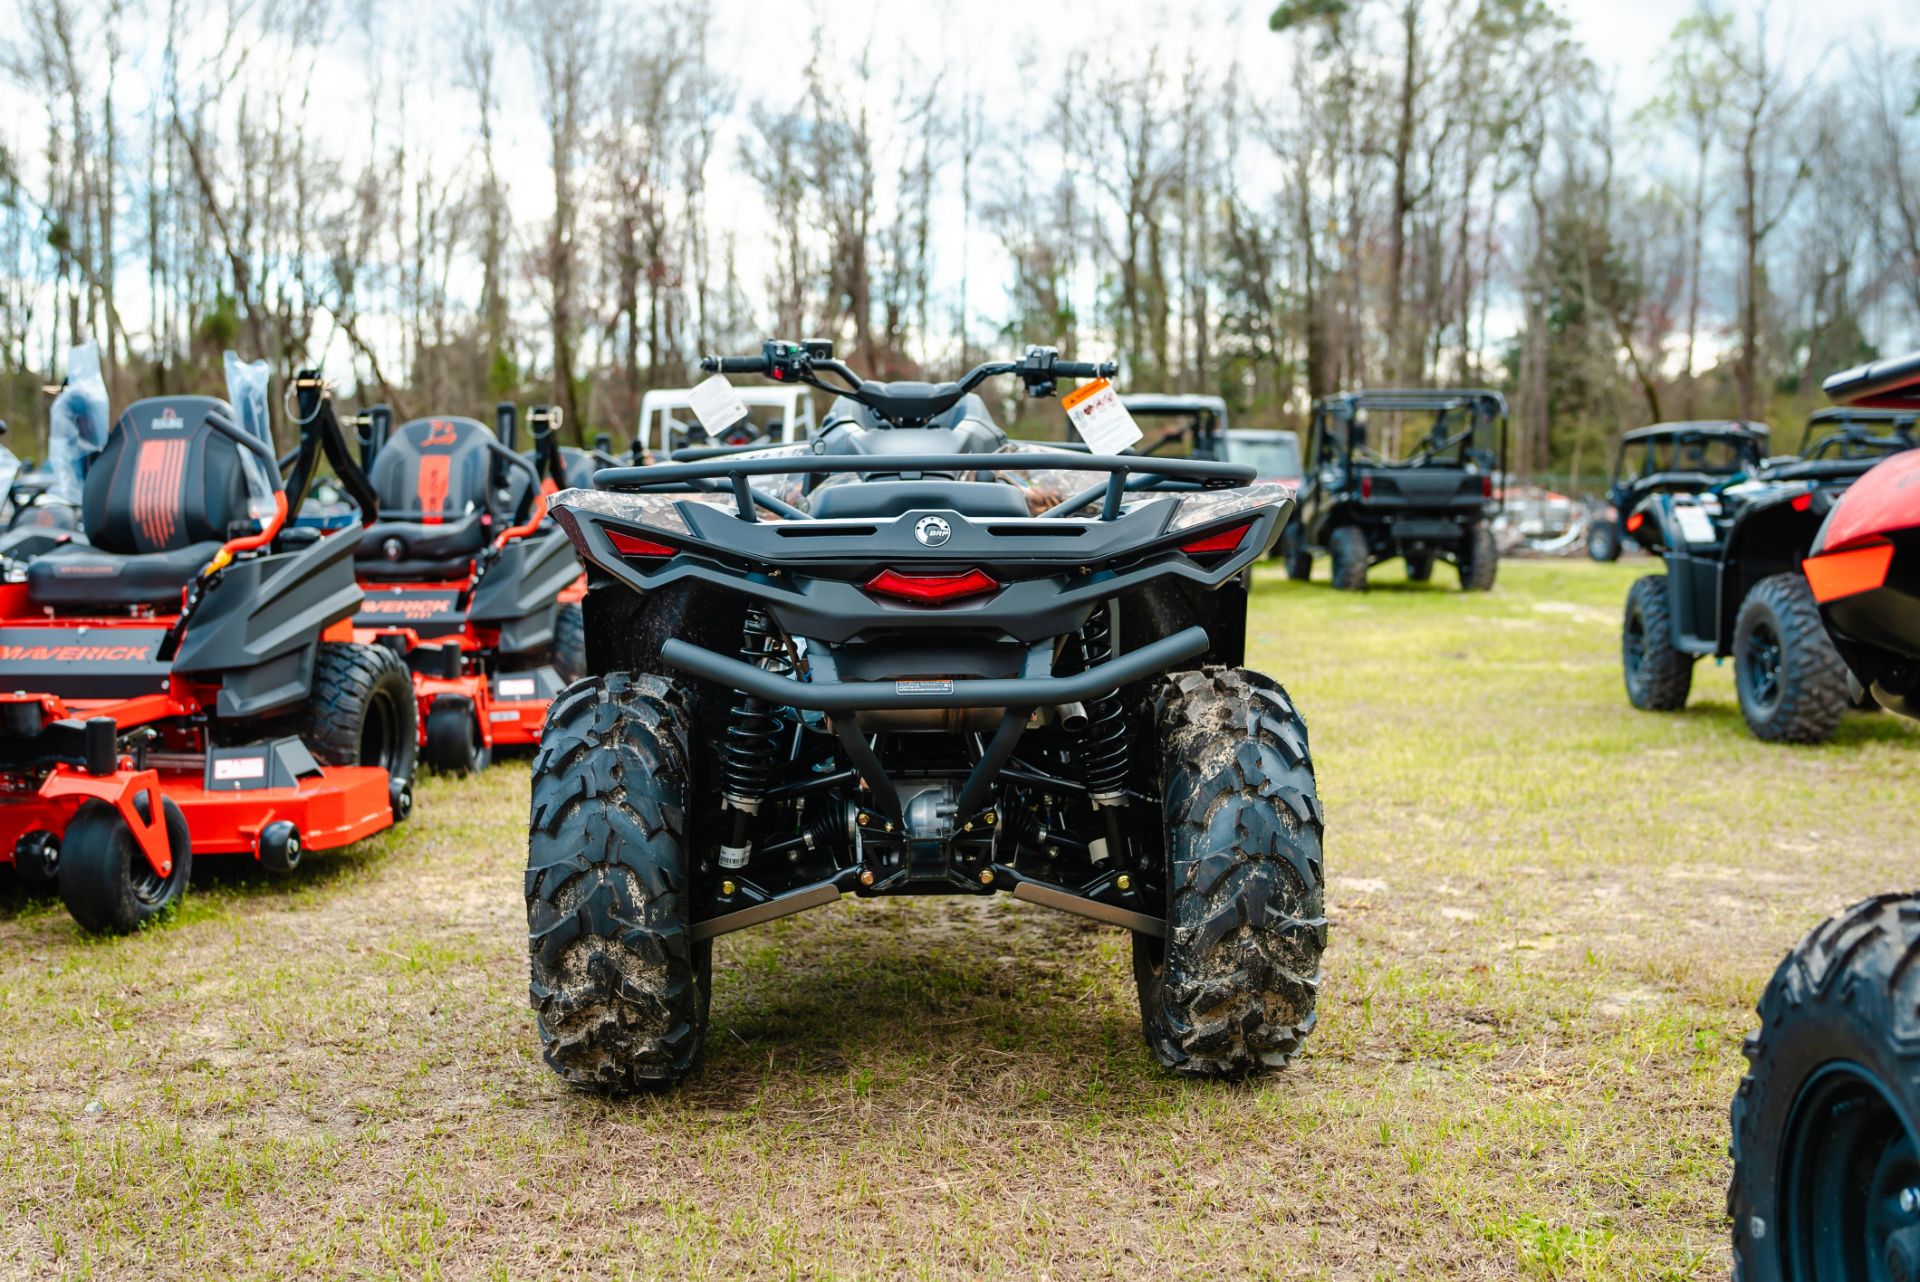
{"type": "Point", "coordinates": [240, 768]}
{"type": "Point", "coordinates": [1096, 413]}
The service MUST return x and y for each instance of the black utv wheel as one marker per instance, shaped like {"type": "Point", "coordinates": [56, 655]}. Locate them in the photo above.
{"type": "Point", "coordinates": [1294, 552]}
{"type": "Point", "coordinates": [1826, 1123]}
{"type": "Point", "coordinates": [105, 880]}
{"type": "Point", "coordinates": [1658, 674]}
{"type": "Point", "coordinates": [1479, 560]}
{"type": "Point", "coordinates": [362, 712]}
{"type": "Point", "coordinates": [1419, 567]}
{"type": "Point", "coordinates": [1792, 684]}
{"type": "Point", "coordinates": [570, 642]}
{"type": "Point", "coordinates": [619, 990]}
{"type": "Point", "coordinates": [1603, 541]}
{"type": "Point", "coordinates": [453, 744]}
{"type": "Point", "coordinates": [1232, 989]}
{"type": "Point", "coordinates": [1348, 548]}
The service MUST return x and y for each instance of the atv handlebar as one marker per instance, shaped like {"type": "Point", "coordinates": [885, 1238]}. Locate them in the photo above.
{"type": "Point", "coordinates": [736, 364]}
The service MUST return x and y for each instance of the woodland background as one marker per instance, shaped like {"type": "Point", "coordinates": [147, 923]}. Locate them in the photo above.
{"type": "Point", "coordinates": [1380, 192]}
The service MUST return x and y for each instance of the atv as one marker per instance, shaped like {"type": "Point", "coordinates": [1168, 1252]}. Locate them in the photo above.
{"type": "Point", "coordinates": [187, 685]}
{"type": "Point", "coordinates": [1733, 584]}
{"type": "Point", "coordinates": [1826, 1123]}
{"type": "Point", "coordinates": [1374, 491]}
{"type": "Point", "coordinates": [865, 664]}
{"type": "Point", "coordinates": [464, 580]}
{"type": "Point", "coordinates": [1681, 458]}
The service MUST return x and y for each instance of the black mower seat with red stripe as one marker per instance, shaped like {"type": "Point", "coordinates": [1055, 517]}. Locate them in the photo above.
{"type": "Point", "coordinates": [162, 496]}
{"type": "Point", "coordinates": [433, 479]}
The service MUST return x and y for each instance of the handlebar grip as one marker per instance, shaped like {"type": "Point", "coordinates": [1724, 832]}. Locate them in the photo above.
{"type": "Point", "coordinates": [735, 364]}
{"type": "Point", "coordinates": [1085, 369]}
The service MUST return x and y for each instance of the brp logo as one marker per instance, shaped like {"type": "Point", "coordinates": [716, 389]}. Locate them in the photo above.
{"type": "Point", "coordinates": [932, 531]}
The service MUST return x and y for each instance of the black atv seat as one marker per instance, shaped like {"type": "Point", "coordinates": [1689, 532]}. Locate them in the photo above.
{"type": "Point", "coordinates": [895, 498]}
{"type": "Point", "coordinates": [163, 495]}
{"type": "Point", "coordinates": [433, 479]}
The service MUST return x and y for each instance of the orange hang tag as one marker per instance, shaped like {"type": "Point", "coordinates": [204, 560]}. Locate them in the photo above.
{"type": "Point", "coordinates": [1096, 413]}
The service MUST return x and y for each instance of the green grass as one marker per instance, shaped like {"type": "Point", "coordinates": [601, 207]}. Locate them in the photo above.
{"type": "Point", "coordinates": [1551, 917]}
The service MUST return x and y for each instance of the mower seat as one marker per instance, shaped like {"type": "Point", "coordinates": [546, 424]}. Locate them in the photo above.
{"type": "Point", "coordinates": [433, 478]}
{"type": "Point", "coordinates": [162, 496]}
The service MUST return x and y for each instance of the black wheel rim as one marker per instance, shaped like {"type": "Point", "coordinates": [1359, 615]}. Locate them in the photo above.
{"type": "Point", "coordinates": [1762, 666]}
{"type": "Point", "coordinates": [1850, 1186]}
{"type": "Point", "coordinates": [379, 739]}
{"type": "Point", "coordinates": [1634, 644]}
{"type": "Point", "coordinates": [149, 887]}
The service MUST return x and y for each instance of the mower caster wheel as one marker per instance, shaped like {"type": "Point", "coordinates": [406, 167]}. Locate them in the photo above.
{"type": "Point", "coordinates": [36, 860]}
{"type": "Point", "coordinates": [106, 881]}
{"type": "Point", "coordinates": [281, 848]}
{"type": "Point", "coordinates": [453, 739]}
{"type": "Point", "coordinates": [400, 799]}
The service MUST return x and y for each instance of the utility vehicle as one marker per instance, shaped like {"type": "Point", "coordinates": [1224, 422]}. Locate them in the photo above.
{"type": "Point", "coordinates": [1684, 458]}
{"type": "Point", "coordinates": [776, 416]}
{"type": "Point", "coordinates": [1198, 429]}
{"type": "Point", "coordinates": [1733, 586]}
{"type": "Point", "coordinates": [464, 582]}
{"type": "Point", "coordinates": [1401, 474]}
{"type": "Point", "coordinates": [912, 656]}
{"type": "Point", "coordinates": [1826, 1123]}
{"type": "Point", "coordinates": [187, 684]}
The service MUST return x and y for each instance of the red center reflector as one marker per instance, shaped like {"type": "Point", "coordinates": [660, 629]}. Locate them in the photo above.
{"type": "Point", "coordinates": [630, 545]}
{"type": "Point", "coordinates": [1839, 574]}
{"type": "Point", "coordinates": [931, 589]}
{"type": "Point", "coordinates": [1224, 541]}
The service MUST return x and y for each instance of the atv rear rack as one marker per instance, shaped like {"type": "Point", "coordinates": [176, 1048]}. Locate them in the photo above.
{"type": "Point", "coordinates": [1125, 473]}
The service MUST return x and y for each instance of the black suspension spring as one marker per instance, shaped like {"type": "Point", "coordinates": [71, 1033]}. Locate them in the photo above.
{"type": "Point", "coordinates": [1107, 740]}
{"type": "Point", "coordinates": [751, 748]}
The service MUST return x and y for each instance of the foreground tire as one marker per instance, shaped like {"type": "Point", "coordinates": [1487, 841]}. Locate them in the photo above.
{"type": "Point", "coordinates": [570, 642]}
{"type": "Point", "coordinates": [1658, 675]}
{"type": "Point", "coordinates": [1792, 684]}
{"type": "Point", "coordinates": [1825, 1163]}
{"type": "Point", "coordinates": [1294, 552]}
{"type": "Point", "coordinates": [1480, 561]}
{"type": "Point", "coordinates": [362, 712]}
{"type": "Point", "coordinates": [1232, 989]}
{"type": "Point", "coordinates": [453, 744]}
{"type": "Point", "coordinates": [105, 881]}
{"type": "Point", "coordinates": [619, 990]}
{"type": "Point", "coordinates": [1348, 550]}
{"type": "Point", "coordinates": [1603, 541]}
{"type": "Point", "coordinates": [1419, 566]}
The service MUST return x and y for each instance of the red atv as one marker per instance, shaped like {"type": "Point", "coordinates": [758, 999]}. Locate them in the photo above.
{"type": "Point", "coordinates": [186, 683]}
{"type": "Point", "coordinates": [1826, 1125]}
{"type": "Point", "coordinates": [467, 582]}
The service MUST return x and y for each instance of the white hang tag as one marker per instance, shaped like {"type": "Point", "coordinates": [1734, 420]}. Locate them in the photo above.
{"type": "Point", "coordinates": [1695, 525]}
{"type": "Point", "coordinates": [1096, 413]}
{"type": "Point", "coordinates": [716, 404]}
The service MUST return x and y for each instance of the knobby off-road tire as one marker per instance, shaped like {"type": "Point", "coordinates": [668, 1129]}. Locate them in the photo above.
{"type": "Point", "coordinates": [1792, 682]}
{"type": "Point", "coordinates": [1347, 547]}
{"type": "Point", "coordinates": [1824, 1123]}
{"type": "Point", "coordinates": [1232, 989]}
{"type": "Point", "coordinates": [1480, 560]}
{"type": "Point", "coordinates": [619, 991]}
{"type": "Point", "coordinates": [1658, 675]}
{"type": "Point", "coordinates": [570, 641]}
{"type": "Point", "coordinates": [1294, 552]}
{"type": "Point", "coordinates": [1419, 566]}
{"type": "Point", "coordinates": [362, 712]}
{"type": "Point", "coordinates": [1603, 541]}
{"type": "Point", "coordinates": [105, 880]}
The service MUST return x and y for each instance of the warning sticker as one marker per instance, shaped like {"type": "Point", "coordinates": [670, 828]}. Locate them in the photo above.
{"type": "Point", "coordinates": [925, 686]}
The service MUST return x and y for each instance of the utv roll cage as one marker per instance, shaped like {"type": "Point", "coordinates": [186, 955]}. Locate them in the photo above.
{"type": "Point", "coordinates": [1844, 432]}
{"type": "Point", "coordinates": [1205, 431]}
{"type": "Point", "coordinates": [1340, 426]}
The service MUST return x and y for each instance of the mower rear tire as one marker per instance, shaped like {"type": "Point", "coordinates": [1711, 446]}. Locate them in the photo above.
{"type": "Point", "coordinates": [1658, 674]}
{"type": "Point", "coordinates": [1231, 989]}
{"type": "Point", "coordinates": [1480, 561]}
{"type": "Point", "coordinates": [570, 642]}
{"type": "Point", "coordinates": [619, 991]}
{"type": "Point", "coordinates": [1826, 1122]}
{"type": "Point", "coordinates": [1348, 549]}
{"type": "Point", "coordinates": [1791, 681]}
{"type": "Point", "coordinates": [362, 712]}
{"type": "Point", "coordinates": [105, 880]}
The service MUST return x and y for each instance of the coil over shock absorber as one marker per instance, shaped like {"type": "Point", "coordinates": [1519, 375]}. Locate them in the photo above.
{"type": "Point", "coordinates": [1107, 741]}
{"type": "Point", "coordinates": [751, 748]}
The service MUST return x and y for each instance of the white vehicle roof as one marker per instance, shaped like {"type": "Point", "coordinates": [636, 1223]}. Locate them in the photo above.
{"type": "Point", "coordinates": [794, 403]}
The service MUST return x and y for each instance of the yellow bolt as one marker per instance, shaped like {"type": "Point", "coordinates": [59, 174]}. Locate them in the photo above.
{"type": "Point", "coordinates": [986, 876]}
{"type": "Point", "coordinates": [987, 819]}
{"type": "Point", "coordinates": [726, 888]}
{"type": "Point", "coordinates": [1123, 881]}
{"type": "Point", "coordinates": [967, 826]}
{"type": "Point", "coordinates": [866, 876]}
{"type": "Point", "coordinates": [889, 825]}
{"type": "Point", "coordinates": [862, 820]}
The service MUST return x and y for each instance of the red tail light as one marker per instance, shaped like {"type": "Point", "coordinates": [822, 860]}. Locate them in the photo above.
{"type": "Point", "coordinates": [1635, 521]}
{"type": "Point", "coordinates": [1222, 541]}
{"type": "Point", "coordinates": [1801, 502]}
{"type": "Point", "coordinates": [931, 589]}
{"type": "Point", "coordinates": [631, 545]}
{"type": "Point", "coordinates": [1486, 487]}
{"type": "Point", "coordinates": [1366, 487]}
{"type": "Point", "coordinates": [1850, 573]}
